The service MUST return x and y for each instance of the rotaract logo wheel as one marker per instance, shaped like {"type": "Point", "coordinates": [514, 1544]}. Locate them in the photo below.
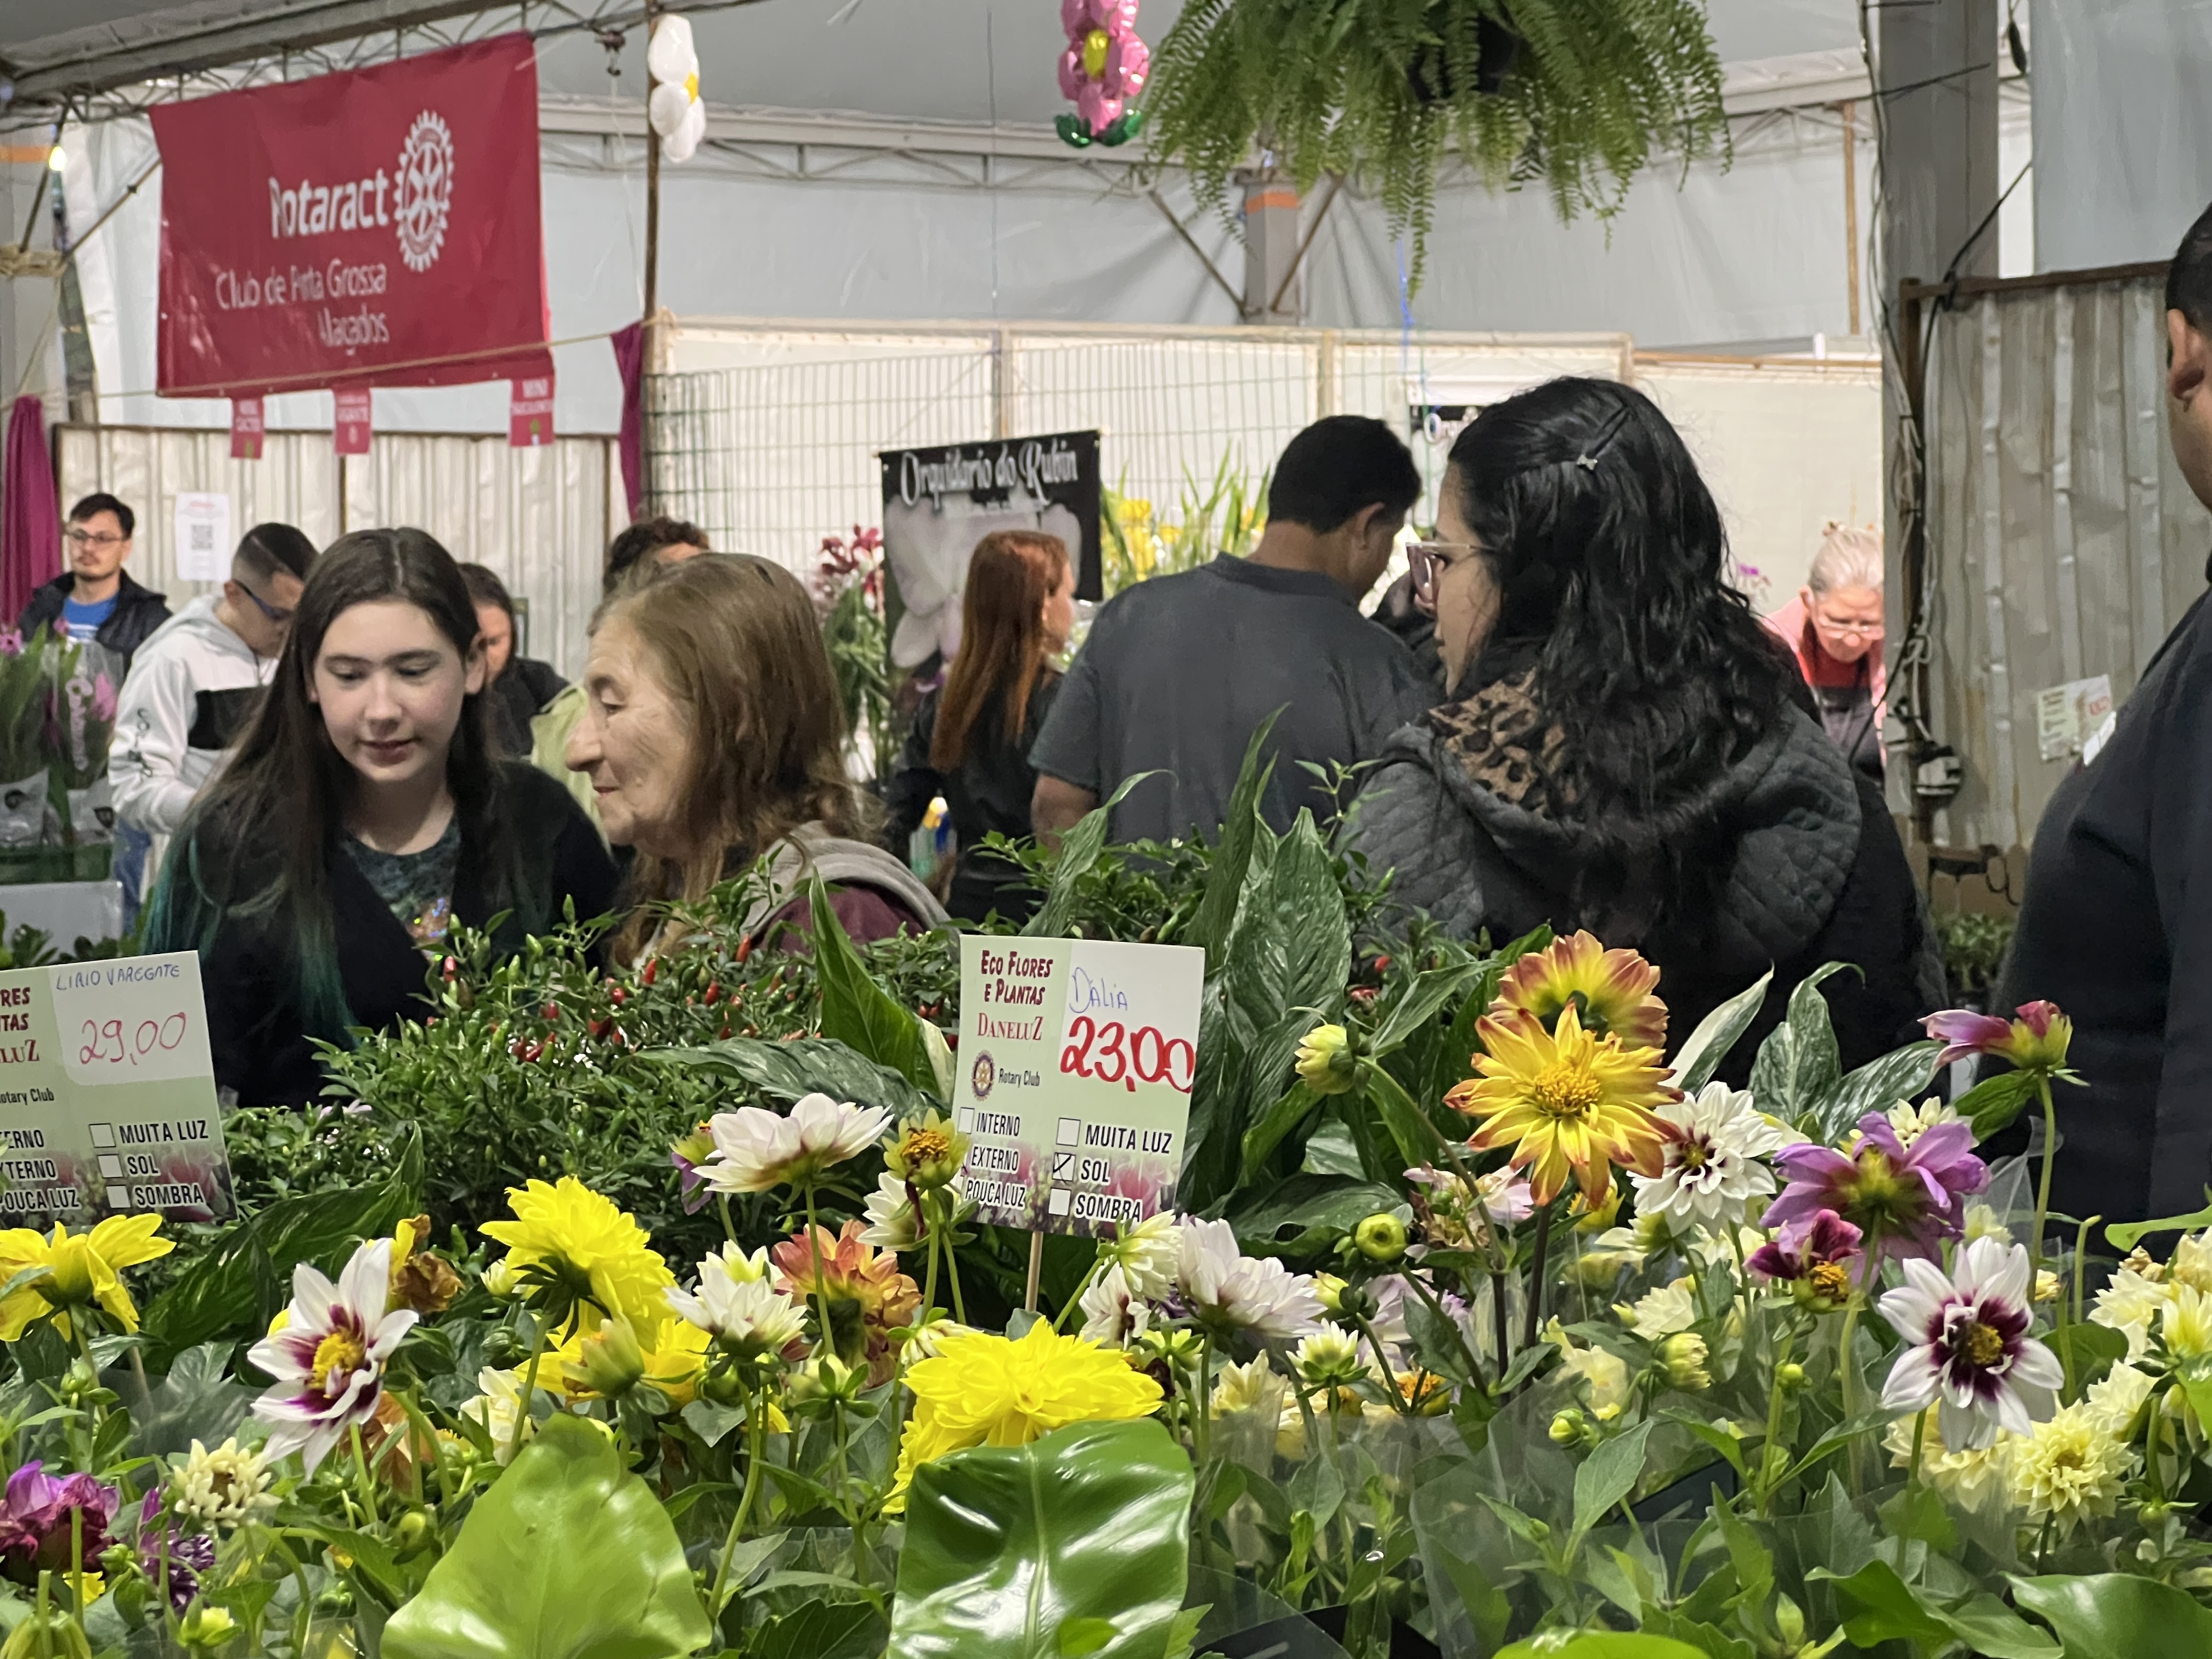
{"type": "Point", "coordinates": [425, 192]}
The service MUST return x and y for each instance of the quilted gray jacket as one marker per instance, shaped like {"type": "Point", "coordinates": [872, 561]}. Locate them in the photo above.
{"type": "Point", "coordinates": [1817, 873]}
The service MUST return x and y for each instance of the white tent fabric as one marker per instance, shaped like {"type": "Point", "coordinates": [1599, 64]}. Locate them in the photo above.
{"type": "Point", "coordinates": [2123, 131]}
{"type": "Point", "coordinates": [1755, 253]}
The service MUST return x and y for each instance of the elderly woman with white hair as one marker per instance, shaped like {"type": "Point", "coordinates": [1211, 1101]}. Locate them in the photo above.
{"type": "Point", "coordinates": [1834, 627]}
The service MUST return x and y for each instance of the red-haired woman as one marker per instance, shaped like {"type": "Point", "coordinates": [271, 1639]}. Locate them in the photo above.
{"type": "Point", "coordinates": [971, 736]}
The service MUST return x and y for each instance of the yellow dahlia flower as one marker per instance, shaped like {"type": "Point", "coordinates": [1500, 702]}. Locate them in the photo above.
{"type": "Point", "coordinates": [1566, 1102]}
{"type": "Point", "coordinates": [566, 1236]}
{"type": "Point", "coordinates": [2070, 1469]}
{"type": "Point", "coordinates": [985, 1390]}
{"type": "Point", "coordinates": [83, 1270]}
{"type": "Point", "coordinates": [1610, 991]}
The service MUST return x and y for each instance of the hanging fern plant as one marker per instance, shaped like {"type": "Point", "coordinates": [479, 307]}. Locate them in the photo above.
{"type": "Point", "coordinates": [1578, 93]}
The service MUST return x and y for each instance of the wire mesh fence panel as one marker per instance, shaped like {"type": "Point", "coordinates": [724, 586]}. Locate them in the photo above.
{"type": "Point", "coordinates": [768, 459]}
{"type": "Point", "coordinates": [1173, 413]}
{"type": "Point", "coordinates": [766, 436]}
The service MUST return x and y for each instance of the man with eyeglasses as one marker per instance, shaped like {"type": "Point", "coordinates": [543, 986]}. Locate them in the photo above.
{"type": "Point", "coordinates": [1834, 627]}
{"type": "Point", "coordinates": [197, 681]}
{"type": "Point", "coordinates": [96, 597]}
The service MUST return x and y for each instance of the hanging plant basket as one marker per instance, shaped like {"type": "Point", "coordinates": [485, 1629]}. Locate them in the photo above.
{"type": "Point", "coordinates": [1582, 95]}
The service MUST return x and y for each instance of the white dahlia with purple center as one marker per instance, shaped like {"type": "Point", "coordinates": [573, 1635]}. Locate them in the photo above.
{"type": "Point", "coordinates": [328, 1358]}
{"type": "Point", "coordinates": [1967, 1348]}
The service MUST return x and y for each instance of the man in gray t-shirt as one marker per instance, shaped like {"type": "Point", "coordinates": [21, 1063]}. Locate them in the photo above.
{"type": "Point", "coordinates": [1178, 672]}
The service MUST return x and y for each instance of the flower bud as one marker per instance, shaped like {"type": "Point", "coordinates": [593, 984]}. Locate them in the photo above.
{"type": "Point", "coordinates": [610, 1362]}
{"type": "Point", "coordinates": [1788, 1376]}
{"type": "Point", "coordinates": [1328, 1359]}
{"type": "Point", "coordinates": [2047, 1285]}
{"type": "Point", "coordinates": [1569, 1428]}
{"type": "Point", "coordinates": [207, 1626]}
{"type": "Point", "coordinates": [1682, 1357]}
{"type": "Point", "coordinates": [500, 1279]}
{"type": "Point", "coordinates": [1325, 1061]}
{"type": "Point", "coordinates": [1380, 1237]}
{"type": "Point", "coordinates": [1356, 1303]}
{"type": "Point", "coordinates": [1588, 1220]}
{"type": "Point", "coordinates": [1329, 1288]}
{"type": "Point", "coordinates": [1790, 1622]}
{"type": "Point", "coordinates": [827, 1378]}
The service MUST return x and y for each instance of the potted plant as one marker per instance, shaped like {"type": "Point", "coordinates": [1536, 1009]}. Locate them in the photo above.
{"type": "Point", "coordinates": [1578, 96]}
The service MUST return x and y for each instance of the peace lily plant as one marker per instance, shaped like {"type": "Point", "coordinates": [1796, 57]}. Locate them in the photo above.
{"type": "Point", "coordinates": [1497, 1315]}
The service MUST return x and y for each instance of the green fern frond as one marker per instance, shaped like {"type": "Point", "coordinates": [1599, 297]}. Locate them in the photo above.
{"type": "Point", "coordinates": [1383, 88]}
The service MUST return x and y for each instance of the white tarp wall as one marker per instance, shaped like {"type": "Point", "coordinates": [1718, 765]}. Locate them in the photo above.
{"type": "Point", "coordinates": [2065, 542]}
{"type": "Point", "coordinates": [540, 517]}
{"type": "Point", "coordinates": [2122, 129]}
{"type": "Point", "coordinates": [1787, 448]}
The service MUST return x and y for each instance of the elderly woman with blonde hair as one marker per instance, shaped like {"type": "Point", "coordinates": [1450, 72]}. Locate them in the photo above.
{"type": "Point", "coordinates": [1834, 627]}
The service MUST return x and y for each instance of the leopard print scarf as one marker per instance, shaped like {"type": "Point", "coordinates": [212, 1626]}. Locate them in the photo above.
{"type": "Point", "coordinates": [1497, 735]}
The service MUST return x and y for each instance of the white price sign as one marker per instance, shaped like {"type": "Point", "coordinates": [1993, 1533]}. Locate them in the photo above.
{"type": "Point", "coordinates": [138, 1019]}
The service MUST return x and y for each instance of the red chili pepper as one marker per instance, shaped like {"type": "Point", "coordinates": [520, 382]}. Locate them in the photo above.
{"type": "Point", "coordinates": [599, 1028]}
{"type": "Point", "coordinates": [621, 1037]}
{"type": "Point", "coordinates": [448, 968]}
{"type": "Point", "coordinates": [530, 1051]}
{"type": "Point", "coordinates": [550, 1013]}
{"type": "Point", "coordinates": [745, 950]}
{"type": "Point", "coordinates": [652, 970]}
{"type": "Point", "coordinates": [1363, 994]}
{"type": "Point", "coordinates": [714, 992]}
{"type": "Point", "coordinates": [514, 1047]}
{"type": "Point", "coordinates": [619, 996]}
{"type": "Point", "coordinates": [1382, 964]}
{"type": "Point", "coordinates": [725, 1031]}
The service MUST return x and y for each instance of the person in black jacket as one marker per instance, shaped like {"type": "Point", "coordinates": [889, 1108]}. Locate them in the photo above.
{"type": "Point", "coordinates": [518, 687]}
{"type": "Point", "coordinates": [1625, 747]}
{"type": "Point", "coordinates": [2116, 923]}
{"type": "Point", "coordinates": [362, 817]}
{"type": "Point", "coordinates": [971, 735]}
{"type": "Point", "coordinates": [96, 597]}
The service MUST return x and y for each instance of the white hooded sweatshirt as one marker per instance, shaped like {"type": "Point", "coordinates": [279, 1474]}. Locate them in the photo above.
{"type": "Point", "coordinates": [191, 688]}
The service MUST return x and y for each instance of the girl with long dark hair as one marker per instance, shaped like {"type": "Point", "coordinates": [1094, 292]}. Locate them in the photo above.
{"type": "Point", "coordinates": [971, 736]}
{"type": "Point", "coordinates": [1625, 747]}
{"type": "Point", "coordinates": [362, 816]}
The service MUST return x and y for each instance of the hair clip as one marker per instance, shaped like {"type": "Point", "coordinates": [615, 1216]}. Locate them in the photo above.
{"type": "Point", "coordinates": [1587, 459]}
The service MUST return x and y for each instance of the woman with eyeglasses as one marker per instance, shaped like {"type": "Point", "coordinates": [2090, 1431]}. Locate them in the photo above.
{"type": "Point", "coordinates": [1624, 747]}
{"type": "Point", "coordinates": [1833, 628]}
{"type": "Point", "coordinates": [362, 816]}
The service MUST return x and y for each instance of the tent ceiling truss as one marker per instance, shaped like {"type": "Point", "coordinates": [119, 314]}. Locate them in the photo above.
{"type": "Point", "coordinates": [125, 68]}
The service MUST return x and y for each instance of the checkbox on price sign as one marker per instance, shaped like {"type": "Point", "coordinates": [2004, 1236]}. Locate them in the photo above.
{"type": "Point", "coordinates": [1063, 1166]}
{"type": "Point", "coordinates": [118, 1198]}
{"type": "Point", "coordinates": [103, 1134]}
{"type": "Point", "coordinates": [110, 1168]}
{"type": "Point", "coordinates": [1070, 1131]}
{"type": "Point", "coordinates": [1056, 1201]}
{"type": "Point", "coordinates": [965, 1118]}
